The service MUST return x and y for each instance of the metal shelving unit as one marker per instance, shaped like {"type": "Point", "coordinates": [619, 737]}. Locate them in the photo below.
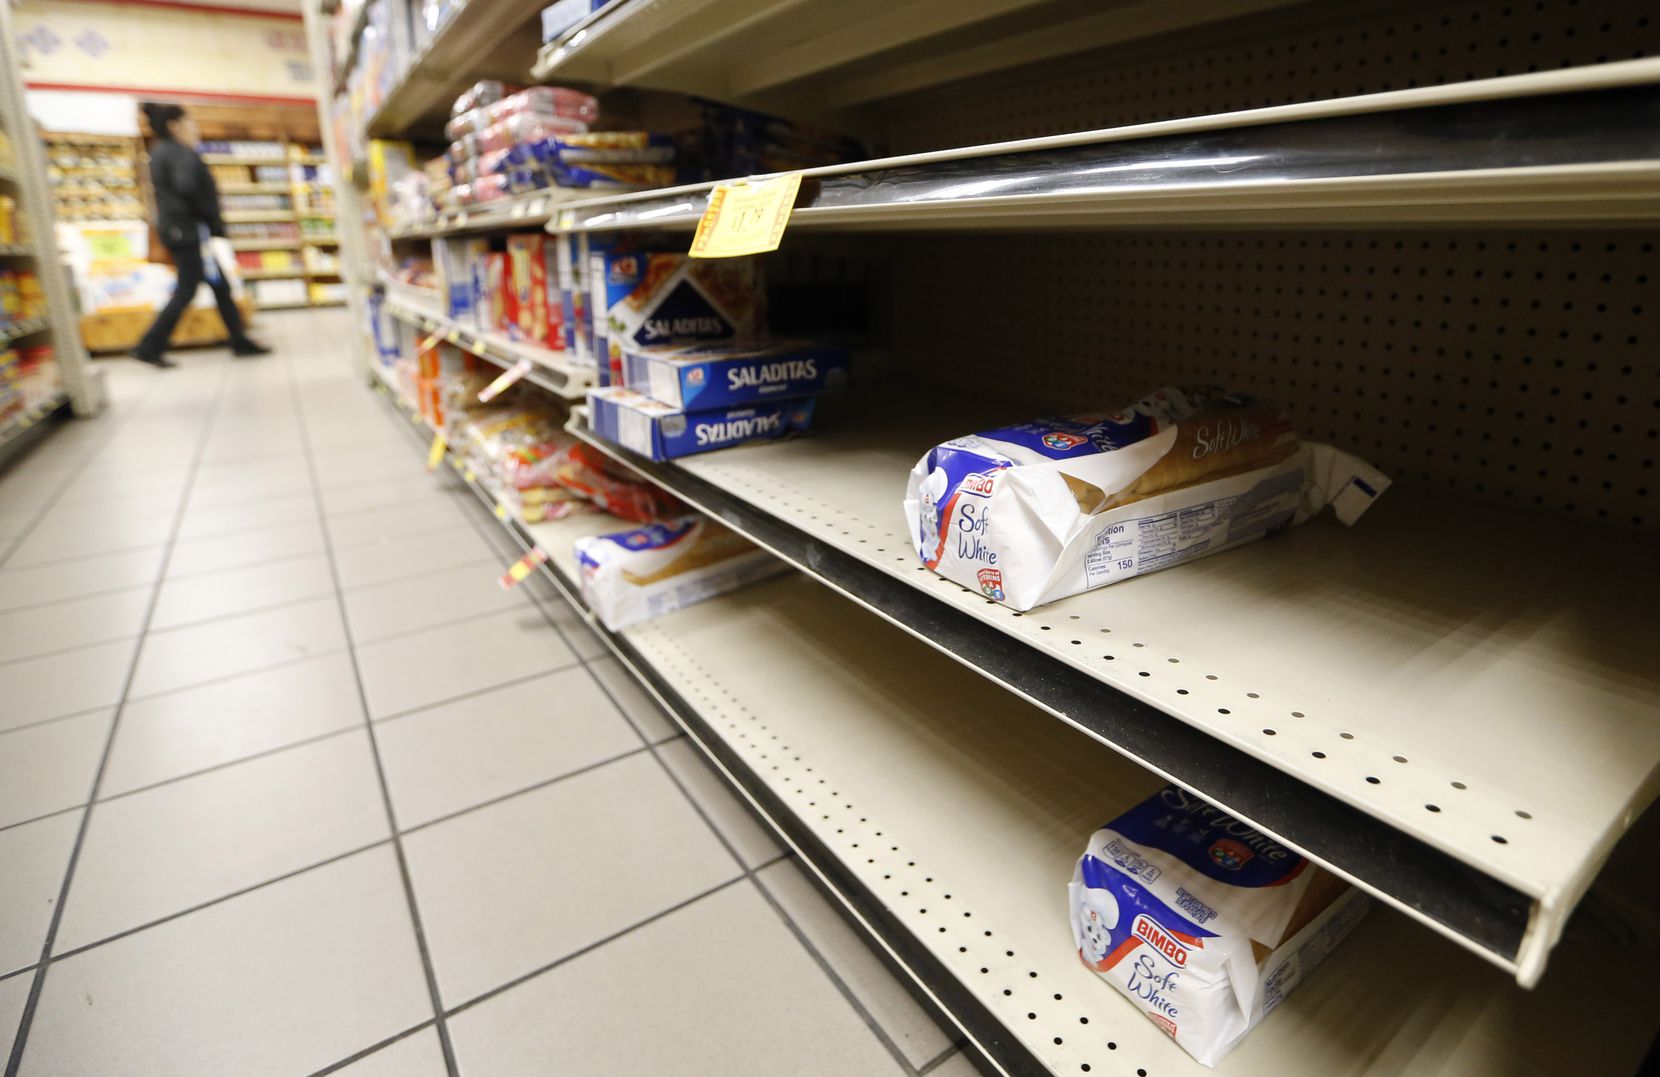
{"type": "Point", "coordinates": [855, 779]}
{"type": "Point", "coordinates": [1428, 230]}
{"type": "Point", "coordinates": [551, 370]}
{"type": "Point", "coordinates": [24, 179]}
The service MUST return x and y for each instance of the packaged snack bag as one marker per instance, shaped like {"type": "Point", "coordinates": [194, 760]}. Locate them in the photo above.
{"type": "Point", "coordinates": [728, 375]}
{"type": "Point", "coordinates": [630, 576]}
{"type": "Point", "coordinates": [590, 473]}
{"type": "Point", "coordinates": [1031, 513]}
{"type": "Point", "coordinates": [1204, 923]}
{"type": "Point", "coordinates": [662, 432]}
{"type": "Point", "coordinates": [532, 271]}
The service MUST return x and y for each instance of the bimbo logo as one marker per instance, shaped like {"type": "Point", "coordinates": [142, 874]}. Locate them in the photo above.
{"type": "Point", "coordinates": [1155, 936]}
{"type": "Point", "coordinates": [1062, 442]}
{"type": "Point", "coordinates": [978, 484]}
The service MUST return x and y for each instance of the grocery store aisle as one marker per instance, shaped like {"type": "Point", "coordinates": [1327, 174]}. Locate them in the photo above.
{"type": "Point", "coordinates": [353, 808]}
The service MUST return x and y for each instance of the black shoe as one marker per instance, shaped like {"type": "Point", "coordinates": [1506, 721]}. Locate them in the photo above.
{"type": "Point", "coordinates": [154, 360]}
{"type": "Point", "coordinates": [247, 349]}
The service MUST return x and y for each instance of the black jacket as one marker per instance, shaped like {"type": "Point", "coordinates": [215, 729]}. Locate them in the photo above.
{"type": "Point", "coordinates": [186, 195]}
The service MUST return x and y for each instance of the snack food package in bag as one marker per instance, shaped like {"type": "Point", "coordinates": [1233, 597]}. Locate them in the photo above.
{"type": "Point", "coordinates": [630, 576]}
{"type": "Point", "coordinates": [1031, 513]}
{"type": "Point", "coordinates": [1204, 923]}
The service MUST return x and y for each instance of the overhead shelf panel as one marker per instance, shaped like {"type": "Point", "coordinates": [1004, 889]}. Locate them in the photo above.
{"type": "Point", "coordinates": [1417, 702]}
{"type": "Point", "coordinates": [482, 39]}
{"type": "Point", "coordinates": [1580, 145]}
{"type": "Point", "coordinates": [800, 55]}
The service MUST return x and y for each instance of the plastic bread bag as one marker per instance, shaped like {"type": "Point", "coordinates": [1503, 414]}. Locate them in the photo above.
{"type": "Point", "coordinates": [1204, 923]}
{"type": "Point", "coordinates": [1031, 513]}
{"type": "Point", "coordinates": [630, 576]}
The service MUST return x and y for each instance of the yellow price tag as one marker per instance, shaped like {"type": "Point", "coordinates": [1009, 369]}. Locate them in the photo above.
{"type": "Point", "coordinates": [468, 475]}
{"type": "Point", "coordinates": [454, 336]}
{"type": "Point", "coordinates": [745, 218]}
{"type": "Point", "coordinates": [509, 377]}
{"type": "Point", "coordinates": [520, 210]}
{"type": "Point", "coordinates": [501, 511]}
{"type": "Point", "coordinates": [430, 342]}
{"type": "Point", "coordinates": [520, 570]}
{"type": "Point", "coordinates": [567, 219]}
{"type": "Point", "coordinates": [436, 454]}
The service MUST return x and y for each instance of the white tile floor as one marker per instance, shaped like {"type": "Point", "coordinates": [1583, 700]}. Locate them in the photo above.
{"type": "Point", "coordinates": [353, 809]}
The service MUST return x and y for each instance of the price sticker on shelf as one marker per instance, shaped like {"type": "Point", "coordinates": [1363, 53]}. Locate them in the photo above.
{"type": "Point", "coordinates": [745, 218]}
{"type": "Point", "coordinates": [435, 455]}
{"type": "Point", "coordinates": [453, 336]}
{"type": "Point", "coordinates": [508, 378]}
{"type": "Point", "coordinates": [520, 210]}
{"type": "Point", "coordinates": [468, 475]}
{"type": "Point", "coordinates": [430, 342]}
{"type": "Point", "coordinates": [567, 219]}
{"type": "Point", "coordinates": [520, 570]}
{"type": "Point", "coordinates": [501, 511]}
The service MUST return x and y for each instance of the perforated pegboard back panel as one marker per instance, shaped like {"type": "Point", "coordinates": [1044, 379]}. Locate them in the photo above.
{"type": "Point", "coordinates": [1306, 53]}
{"type": "Point", "coordinates": [1522, 366]}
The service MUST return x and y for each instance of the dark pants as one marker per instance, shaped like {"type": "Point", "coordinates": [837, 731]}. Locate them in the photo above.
{"type": "Point", "coordinates": [191, 275]}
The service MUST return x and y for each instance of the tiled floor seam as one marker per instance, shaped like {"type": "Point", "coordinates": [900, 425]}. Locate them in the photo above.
{"type": "Point", "coordinates": [249, 758]}
{"type": "Point", "coordinates": [30, 607]}
{"type": "Point", "coordinates": [20, 1042]}
{"type": "Point", "coordinates": [38, 722]}
{"type": "Point", "coordinates": [422, 946]}
{"type": "Point", "coordinates": [939, 1060]}
{"type": "Point", "coordinates": [335, 1067]}
{"type": "Point", "coordinates": [176, 689]}
{"type": "Point", "coordinates": [42, 816]}
{"type": "Point", "coordinates": [533, 787]}
{"type": "Point", "coordinates": [219, 900]}
{"type": "Point", "coordinates": [495, 687]}
{"type": "Point", "coordinates": [526, 977]}
{"type": "Point", "coordinates": [74, 472]}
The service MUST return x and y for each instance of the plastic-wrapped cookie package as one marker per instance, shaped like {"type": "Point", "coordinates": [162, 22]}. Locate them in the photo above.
{"type": "Point", "coordinates": [1204, 923]}
{"type": "Point", "coordinates": [631, 576]}
{"type": "Point", "coordinates": [1031, 513]}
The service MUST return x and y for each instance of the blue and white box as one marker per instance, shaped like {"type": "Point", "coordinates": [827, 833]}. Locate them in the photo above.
{"type": "Point", "coordinates": [663, 432]}
{"type": "Point", "coordinates": [701, 376]}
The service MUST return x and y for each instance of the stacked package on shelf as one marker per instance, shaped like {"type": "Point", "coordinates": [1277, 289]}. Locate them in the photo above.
{"type": "Point", "coordinates": [631, 576]}
{"type": "Point", "coordinates": [1034, 512]}
{"type": "Point", "coordinates": [683, 357]}
{"type": "Point", "coordinates": [1202, 921]}
{"type": "Point", "coordinates": [511, 291]}
{"type": "Point", "coordinates": [507, 141]}
{"type": "Point", "coordinates": [21, 297]}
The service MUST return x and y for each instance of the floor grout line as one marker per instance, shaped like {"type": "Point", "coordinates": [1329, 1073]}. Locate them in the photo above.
{"type": "Point", "coordinates": [534, 787]}
{"type": "Point", "coordinates": [261, 754]}
{"type": "Point", "coordinates": [335, 1067]}
{"type": "Point", "coordinates": [71, 474]}
{"type": "Point", "coordinates": [421, 944]}
{"type": "Point", "coordinates": [58, 718]}
{"type": "Point", "coordinates": [487, 689]}
{"type": "Point", "coordinates": [599, 943]}
{"type": "Point", "coordinates": [30, 607]}
{"type": "Point", "coordinates": [218, 900]}
{"type": "Point", "coordinates": [39, 982]}
{"type": "Point", "coordinates": [38, 818]}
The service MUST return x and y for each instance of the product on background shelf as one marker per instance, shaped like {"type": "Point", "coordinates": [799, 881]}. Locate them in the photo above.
{"type": "Point", "coordinates": [388, 163]}
{"type": "Point", "coordinates": [662, 432]}
{"type": "Point", "coordinates": [534, 309]}
{"type": "Point", "coordinates": [612, 488]}
{"type": "Point", "coordinates": [547, 102]}
{"type": "Point", "coordinates": [631, 576]}
{"type": "Point", "coordinates": [21, 296]}
{"type": "Point", "coordinates": [1203, 922]}
{"type": "Point", "coordinates": [732, 141]}
{"type": "Point", "coordinates": [655, 298]}
{"type": "Point", "coordinates": [561, 16]}
{"type": "Point", "coordinates": [1030, 513]}
{"type": "Point", "coordinates": [8, 219]}
{"type": "Point", "coordinates": [701, 376]}
{"type": "Point", "coordinates": [93, 177]}
{"type": "Point", "coordinates": [453, 263]}
{"type": "Point", "coordinates": [519, 446]}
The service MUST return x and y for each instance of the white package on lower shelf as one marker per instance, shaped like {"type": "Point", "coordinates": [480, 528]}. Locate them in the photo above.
{"type": "Point", "coordinates": [962, 809]}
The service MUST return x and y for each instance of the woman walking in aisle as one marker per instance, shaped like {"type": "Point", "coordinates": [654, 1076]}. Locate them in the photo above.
{"type": "Point", "coordinates": [187, 213]}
